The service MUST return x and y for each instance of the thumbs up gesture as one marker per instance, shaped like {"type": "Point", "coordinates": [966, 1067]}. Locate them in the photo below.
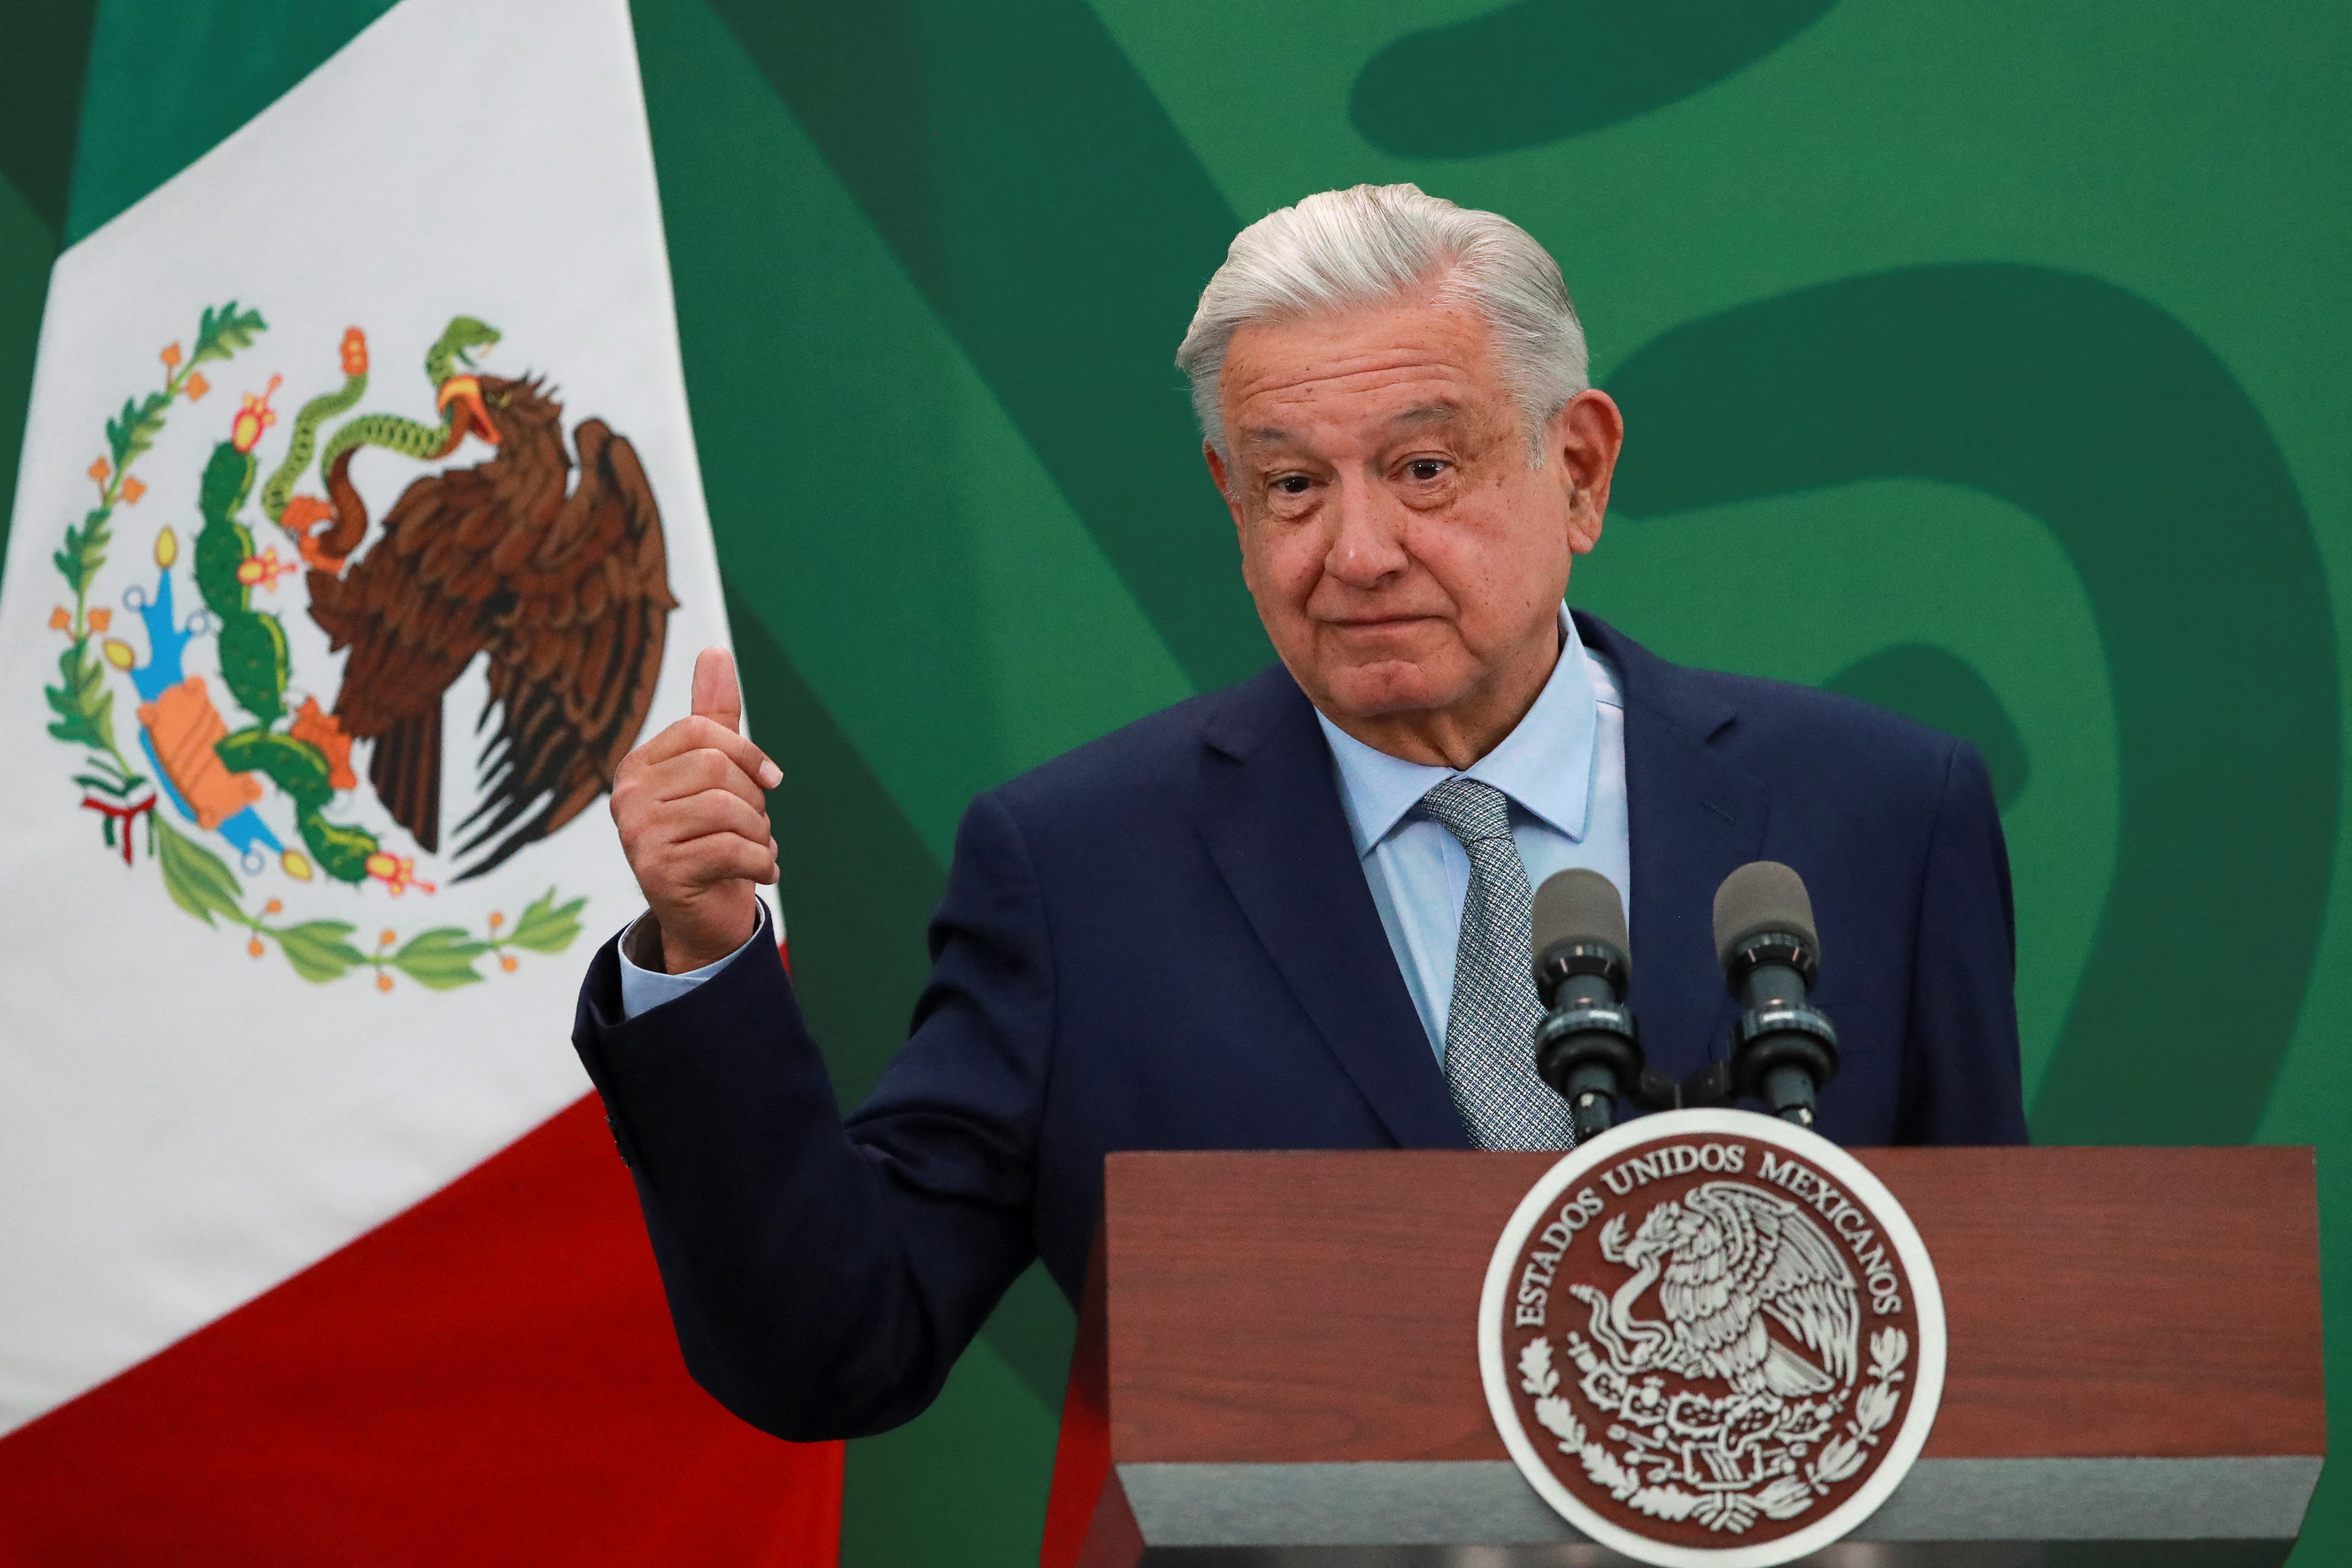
{"type": "Point", "coordinates": [691, 806]}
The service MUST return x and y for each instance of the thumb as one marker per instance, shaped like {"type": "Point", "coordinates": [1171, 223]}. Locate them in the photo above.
{"type": "Point", "coordinates": [718, 696]}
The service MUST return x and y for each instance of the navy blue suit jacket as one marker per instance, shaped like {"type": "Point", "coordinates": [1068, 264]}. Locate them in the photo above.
{"type": "Point", "coordinates": [1164, 941]}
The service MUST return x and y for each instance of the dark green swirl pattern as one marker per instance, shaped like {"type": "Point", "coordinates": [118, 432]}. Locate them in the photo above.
{"type": "Point", "coordinates": [1540, 69]}
{"type": "Point", "coordinates": [2110, 421]}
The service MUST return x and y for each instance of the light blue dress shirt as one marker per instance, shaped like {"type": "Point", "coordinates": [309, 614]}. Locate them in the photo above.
{"type": "Point", "coordinates": [643, 990]}
{"type": "Point", "coordinates": [1563, 771]}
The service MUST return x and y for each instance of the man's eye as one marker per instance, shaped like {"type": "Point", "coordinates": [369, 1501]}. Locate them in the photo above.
{"type": "Point", "coordinates": [1292, 484]}
{"type": "Point", "coordinates": [1424, 469]}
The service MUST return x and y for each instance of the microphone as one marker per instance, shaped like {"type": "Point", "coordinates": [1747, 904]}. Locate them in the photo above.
{"type": "Point", "coordinates": [1783, 1049]}
{"type": "Point", "coordinates": [1589, 1047]}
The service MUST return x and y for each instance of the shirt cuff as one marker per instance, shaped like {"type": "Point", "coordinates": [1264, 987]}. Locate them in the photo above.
{"type": "Point", "coordinates": [643, 990]}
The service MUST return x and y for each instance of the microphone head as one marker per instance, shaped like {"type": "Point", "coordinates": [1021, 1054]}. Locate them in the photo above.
{"type": "Point", "coordinates": [1762, 896]}
{"type": "Point", "coordinates": [1580, 906]}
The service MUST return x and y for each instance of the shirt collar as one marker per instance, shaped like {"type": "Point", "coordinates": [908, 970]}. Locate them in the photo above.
{"type": "Point", "coordinates": [1544, 765]}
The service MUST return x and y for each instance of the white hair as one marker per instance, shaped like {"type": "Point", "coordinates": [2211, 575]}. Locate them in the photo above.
{"type": "Point", "coordinates": [1341, 251]}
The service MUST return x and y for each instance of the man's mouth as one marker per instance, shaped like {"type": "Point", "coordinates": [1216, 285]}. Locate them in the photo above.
{"type": "Point", "coordinates": [1373, 623]}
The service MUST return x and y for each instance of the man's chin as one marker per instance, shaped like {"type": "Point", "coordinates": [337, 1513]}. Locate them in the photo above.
{"type": "Point", "coordinates": [1387, 687]}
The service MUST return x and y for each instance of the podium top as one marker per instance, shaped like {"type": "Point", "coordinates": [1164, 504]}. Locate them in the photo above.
{"type": "Point", "coordinates": [1314, 1306]}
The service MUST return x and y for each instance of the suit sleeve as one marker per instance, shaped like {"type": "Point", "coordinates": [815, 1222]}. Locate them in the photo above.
{"type": "Point", "coordinates": [824, 1274]}
{"type": "Point", "coordinates": [1961, 1076]}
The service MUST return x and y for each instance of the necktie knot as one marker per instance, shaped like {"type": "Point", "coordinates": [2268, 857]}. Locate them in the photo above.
{"type": "Point", "coordinates": [1470, 810]}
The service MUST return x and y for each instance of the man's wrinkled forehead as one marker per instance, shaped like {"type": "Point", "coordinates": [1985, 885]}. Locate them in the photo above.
{"type": "Point", "coordinates": [1370, 375]}
{"type": "Point", "coordinates": [1430, 414]}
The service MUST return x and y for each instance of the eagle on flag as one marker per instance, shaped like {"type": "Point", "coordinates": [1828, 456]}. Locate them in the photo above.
{"type": "Point", "coordinates": [564, 585]}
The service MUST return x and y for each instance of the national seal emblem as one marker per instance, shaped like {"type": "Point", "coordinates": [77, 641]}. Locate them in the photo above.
{"type": "Point", "coordinates": [1712, 1340]}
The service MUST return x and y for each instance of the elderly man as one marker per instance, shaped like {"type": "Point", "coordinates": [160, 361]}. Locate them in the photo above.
{"type": "Point", "coordinates": [1294, 913]}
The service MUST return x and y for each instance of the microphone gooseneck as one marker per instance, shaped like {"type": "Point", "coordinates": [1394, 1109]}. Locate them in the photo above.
{"type": "Point", "coordinates": [1589, 1047]}
{"type": "Point", "coordinates": [1783, 1048]}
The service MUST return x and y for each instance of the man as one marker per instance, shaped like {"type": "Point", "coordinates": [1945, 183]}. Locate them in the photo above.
{"type": "Point", "coordinates": [1294, 913]}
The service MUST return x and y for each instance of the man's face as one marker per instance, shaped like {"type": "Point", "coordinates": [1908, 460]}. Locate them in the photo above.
{"type": "Point", "coordinates": [1405, 557]}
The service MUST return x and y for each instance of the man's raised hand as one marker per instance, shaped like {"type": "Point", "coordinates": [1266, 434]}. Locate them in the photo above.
{"type": "Point", "coordinates": [692, 809]}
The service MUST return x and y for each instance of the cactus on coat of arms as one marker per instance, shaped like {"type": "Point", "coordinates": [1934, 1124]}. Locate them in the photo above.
{"type": "Point", "coordinates": [253, 655]}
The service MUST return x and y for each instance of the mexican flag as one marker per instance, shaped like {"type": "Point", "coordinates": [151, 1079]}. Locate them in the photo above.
{"type": "Point", "coordinates": [358, 533]}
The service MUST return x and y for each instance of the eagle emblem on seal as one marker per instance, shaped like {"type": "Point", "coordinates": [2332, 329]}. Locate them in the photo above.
{"type": "Point", "coordinates": [1726, 1406]}
{"type": "Point", "coordinates": [1730, 1264]}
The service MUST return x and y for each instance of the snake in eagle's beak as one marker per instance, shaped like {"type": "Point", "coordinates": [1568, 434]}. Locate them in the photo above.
{"type": "Point", "coordinates": [473, 416]}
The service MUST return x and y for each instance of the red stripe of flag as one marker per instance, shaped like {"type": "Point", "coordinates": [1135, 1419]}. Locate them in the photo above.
{"type": "Point", "coordinates": [488, 1378]}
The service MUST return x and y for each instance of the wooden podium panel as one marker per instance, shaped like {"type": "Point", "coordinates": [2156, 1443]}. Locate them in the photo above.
{"type": "Point", "coordinates": [1286, 1343]}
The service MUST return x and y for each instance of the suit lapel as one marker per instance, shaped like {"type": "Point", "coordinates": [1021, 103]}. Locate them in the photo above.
{"type": "Point", "coordinates": [1694, 819]}
{"type": "Point", "coordinates": [1272, 821]}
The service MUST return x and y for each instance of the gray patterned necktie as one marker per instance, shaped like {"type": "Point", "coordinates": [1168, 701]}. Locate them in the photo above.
{"type": "Point", "coordinates": [1490, 1024]}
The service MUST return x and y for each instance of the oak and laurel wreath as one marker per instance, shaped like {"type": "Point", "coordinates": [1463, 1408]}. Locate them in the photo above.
{"type": "Point", "coordinates": [1784, 1498]}
{"type": "Point", "coordinates": [199, 882]}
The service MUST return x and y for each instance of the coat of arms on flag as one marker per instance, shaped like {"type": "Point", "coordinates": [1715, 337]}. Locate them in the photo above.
{"type": "Point", "coordinates": [547, 560]}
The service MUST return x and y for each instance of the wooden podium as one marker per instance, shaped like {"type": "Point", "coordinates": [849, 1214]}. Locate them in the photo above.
{"type": "Point", "coordinates": [1277, 1362]}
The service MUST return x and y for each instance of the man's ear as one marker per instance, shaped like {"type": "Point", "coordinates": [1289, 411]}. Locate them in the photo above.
{"type": "Point", "coordinates": [1223, 477]}
{"type": "Point", "coordinates": [1586, 437]}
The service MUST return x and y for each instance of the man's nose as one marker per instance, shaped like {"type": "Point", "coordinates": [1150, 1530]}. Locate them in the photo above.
{"type": "Point", "coordinates": [1367, 533]}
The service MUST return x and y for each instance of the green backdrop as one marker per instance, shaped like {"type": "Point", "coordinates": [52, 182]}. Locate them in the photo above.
{"type": "Point", "coordinates": [1981, 357]}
